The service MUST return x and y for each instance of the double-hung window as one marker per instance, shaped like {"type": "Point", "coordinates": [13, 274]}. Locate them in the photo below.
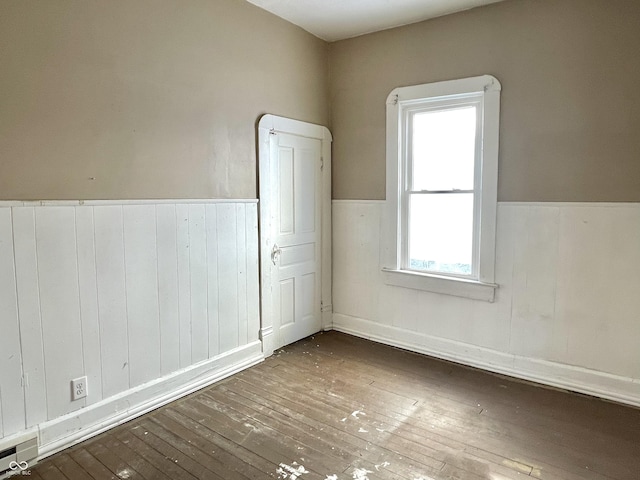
{"type": "Point", "coordinates": [442, 168]}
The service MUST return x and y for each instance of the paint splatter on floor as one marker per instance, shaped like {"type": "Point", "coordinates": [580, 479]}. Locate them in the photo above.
{"type": "Point", "coordinates": [383, 465]}
{"type": "Point", "coordinates": [356, 413]}
{"type": "Point", "coordinates": [290, 472]}
{"type": "Point", "coordinates": [361, 474]}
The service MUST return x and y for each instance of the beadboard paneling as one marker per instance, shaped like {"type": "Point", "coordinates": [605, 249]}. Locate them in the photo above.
{"type": "Point", "coordinates": [227, 268]}
{"type": "Point", "coordinates": [566, 307]}
{"type": "Point", "coordinates": [88, 290]}
{"type": "Point", "coordinates": [12, 407]}
{"type": "Point", "coordinates": [141, 280]}
{"type": "Point", "coordinates": [29, 312]}
{"type": "Point", "coordinates": [126, 293]}
{"type": "Point", "coordinates": [166, 236]}
{"type": "Point", "coordinates": [112, 299]}
{"type": "Point", "coordinates": [59, 305]}
{"type": "Point", "coordinates": [184, 284]}
{"type": "Point", "coordinates": [199, 283]}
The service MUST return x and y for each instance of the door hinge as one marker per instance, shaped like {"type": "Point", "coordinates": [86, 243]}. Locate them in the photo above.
{"type": "Point", "coordinates": [321, 163]}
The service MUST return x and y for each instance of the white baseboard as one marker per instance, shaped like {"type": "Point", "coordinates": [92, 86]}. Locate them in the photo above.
{"type": "Point", "coordinates": [268, 340]}
{"type": "Point", "coordinates": [327, 317]}
{"type": "Point", "coordinates": [577, 379]}
{"type": "Point", "coordinates": [80, 425]}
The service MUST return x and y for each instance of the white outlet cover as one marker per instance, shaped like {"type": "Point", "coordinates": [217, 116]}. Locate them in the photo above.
{"type": "Point", "coordinates": [78, 388]}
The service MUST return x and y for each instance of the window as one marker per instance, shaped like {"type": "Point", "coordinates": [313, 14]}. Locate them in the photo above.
{"type": "Point", "coordinates": [442, 169]}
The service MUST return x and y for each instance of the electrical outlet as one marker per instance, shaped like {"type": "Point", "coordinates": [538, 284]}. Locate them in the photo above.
{"type": "Point", "coordinates": [78, 388]}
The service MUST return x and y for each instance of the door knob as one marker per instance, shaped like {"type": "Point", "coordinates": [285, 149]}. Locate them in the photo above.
{"type": "Point", "coordinates": [275, 253]}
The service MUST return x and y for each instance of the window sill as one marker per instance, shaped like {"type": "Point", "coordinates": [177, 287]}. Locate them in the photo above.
{"type": "Point", "coordinates": [458, 287]}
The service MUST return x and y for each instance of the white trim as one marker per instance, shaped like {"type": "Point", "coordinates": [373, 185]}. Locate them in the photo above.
{"type": "Point", "coordinates": [459, 287]}
{"type": "Point", "coordinates": [327, 317]}
{"type": "Point", "coordinates": [338, 200]}
{"type": "Point", "coordinates": [445, 88]}
{"type": "Point", "coordinates": [518, 204]}
{"type": "Point", "coordinates": [75, 427]}
{"type": "Point", "coordinates": [268, 125]}
{"type": "Point", "coordinates": [394, 249]}
{"type": "Point", "coordinates": [268, 339]}
{"type": "Point", "coordinates": [275, 123]}
{"type": "Point", "coordinates": [572, 204]}
{"type": "Point", "coordinates": [577, 379]}
{"type": "Point", "coordinates": [94, 203]}
{"type": "Point", "coordinates": [168, 201]}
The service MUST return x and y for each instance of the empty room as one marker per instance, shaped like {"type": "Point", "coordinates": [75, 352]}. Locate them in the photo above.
{"type": "Point", "coordinates": [320, 240]}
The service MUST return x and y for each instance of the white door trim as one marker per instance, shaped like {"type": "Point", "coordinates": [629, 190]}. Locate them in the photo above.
{"type": "Point", "coordinates": [268, 126]}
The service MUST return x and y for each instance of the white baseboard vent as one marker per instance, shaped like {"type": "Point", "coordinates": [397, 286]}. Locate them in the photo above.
{"type": "Point", "coordinates": [16, 453]}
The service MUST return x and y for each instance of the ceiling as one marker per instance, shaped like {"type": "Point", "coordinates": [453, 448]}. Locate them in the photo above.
{"type": "Point", "coordinates": [334, 20]}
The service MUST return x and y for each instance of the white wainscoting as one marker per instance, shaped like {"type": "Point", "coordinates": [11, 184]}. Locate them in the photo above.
{"type": "Point", "coordinates": [567, 310]}
{"type": "Point", "coordinates": [148, 299]}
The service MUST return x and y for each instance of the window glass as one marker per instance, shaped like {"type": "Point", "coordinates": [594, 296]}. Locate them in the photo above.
{"type": "Point", "coordinates": [443, 149]}
{"type": "Point", "coordinates": [441, 233]}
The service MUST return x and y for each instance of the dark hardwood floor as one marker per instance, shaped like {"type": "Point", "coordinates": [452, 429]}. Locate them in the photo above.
{"type": "Point", "coordinates": [335, 407]}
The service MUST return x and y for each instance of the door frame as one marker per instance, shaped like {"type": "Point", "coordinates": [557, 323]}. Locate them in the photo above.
{"type": "Point", "coordinates": [268, 127]}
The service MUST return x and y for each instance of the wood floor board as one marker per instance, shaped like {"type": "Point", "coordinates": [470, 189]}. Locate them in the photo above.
{"type": "Point", "coordinates": [175, 454]}
{"type": "Point", "coordinates": [48, 471]}
{"type": "Point", "coordinates": [380, 430]}
{"type": "Point", "coordinates": [132, 458]}
{"type": "Point", "coordinates": [515, 424]}
{"type": "Point", "coordinates": [246, 435]}
{"type": "Point", "coordinates": [337, 452]}
{"type": "Point", "coordinates": [305, 454]}
{"type": "Point", "coordinates": [309, 439]}
{"type": "Point", "coordinates": [370, 454]}
{"type": "Point", "coordinates": [91, 465]}
{"type": "Point", "coordinates": [114, 464]}
{"type": "Point", "coordinates": [519, 422]}
{"type": "Point", "coordinates": [34, 475]}
{"type": "Point", "coordinates": [329, 425]}
{"type": "Point", "coordinates": [552, 451]}
{"type": "Point", "coordinates": [222, 461]}
{"type": "Point", "coordinates": [70, 468]}
{"type": "Point", "coordinates": [166, 464]}
{"type": "Point", "coordinates": [351, 430]}
{"type": "Point", "coordinates": [555, 403]}
{"type": "Point", "coordinates": [334, 406]}
{"type": "Point", "coordinates": [322, 379]}
{"type": "Point", "coordinates": [379, 417]}
{"type": "Point", "coordinates": [192, 452]}
{"type": "Point", "coordinates": [239, 453]}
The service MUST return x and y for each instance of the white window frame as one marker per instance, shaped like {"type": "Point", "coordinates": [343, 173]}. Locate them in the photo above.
{"type": "Point", "coordinates": [401, 102]}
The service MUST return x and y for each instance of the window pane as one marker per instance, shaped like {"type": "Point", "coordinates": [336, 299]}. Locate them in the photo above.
{"type": "Point", "coordinates": [444, 149]}
{"type": "Point", "coordinates": [441, 233]}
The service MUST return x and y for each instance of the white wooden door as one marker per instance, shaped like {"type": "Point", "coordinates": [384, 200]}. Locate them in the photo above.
{"type": "Point", "coordinates": [295, 230]}
{"type": "Point", "coordinates": [296, 233]}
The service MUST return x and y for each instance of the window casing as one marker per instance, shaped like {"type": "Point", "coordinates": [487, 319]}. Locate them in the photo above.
{"type": "Point", "coordinates": [442, 159]}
